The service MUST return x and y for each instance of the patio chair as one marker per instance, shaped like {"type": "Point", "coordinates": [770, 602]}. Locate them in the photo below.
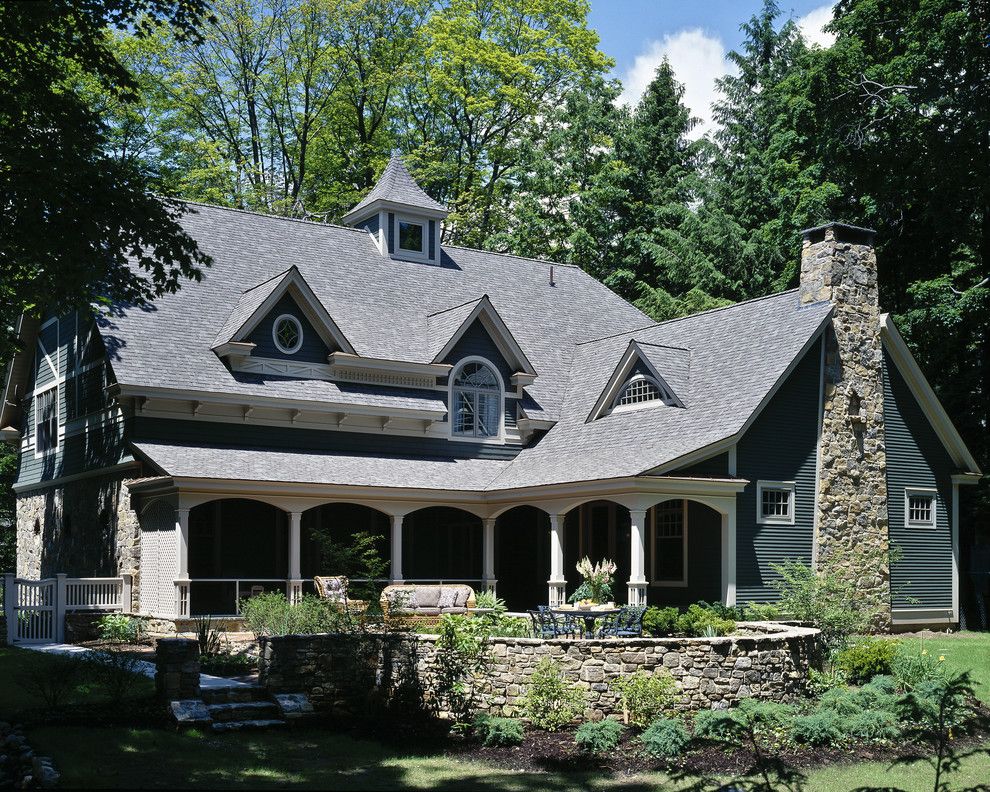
{"type": "Point", "coordinates": [550, 625]}
{"type": "Point", "coordinates": [333, 589]}
{"type": "Point", "coordinates": [627, 623]}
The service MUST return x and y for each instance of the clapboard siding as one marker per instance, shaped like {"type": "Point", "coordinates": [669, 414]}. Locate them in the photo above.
{"type": "Point", "coordinates": [476, 342]}
{"type": "Point", "coordinates": [704, 577]}
{"type": "Point", "coordinates": [714, 467]}
{"type": "Point", "coordinates": [922, 578]}
{"type": "Point", "coordinates": [357, 443]}
{"type": "Point", "coordinates": [781, 445]}
{"type": "Point", "coordinates": [313, 350]}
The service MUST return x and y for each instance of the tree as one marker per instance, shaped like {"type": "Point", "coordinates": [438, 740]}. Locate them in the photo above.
{"type": "Point", "coordinates": [79, 226]}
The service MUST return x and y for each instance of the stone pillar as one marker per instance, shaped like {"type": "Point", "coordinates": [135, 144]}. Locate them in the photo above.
{"type": "Point", "coordinates": [637, 559]}
{"type": "Point", "coordinates": [488, 554]}
{"type": "Point", "coordinates": [396, 573]}
{"type": "Point", "coordinates": [851, 533]}
{"type": "Point", "coordinates": [557, 583]}
{"type": "Point", "coordinates": [295, 544]}
{"type": "Point", "coordinates": [177, 668]}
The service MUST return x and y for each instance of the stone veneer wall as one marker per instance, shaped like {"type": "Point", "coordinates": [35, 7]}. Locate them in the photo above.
{"type": "Point", "coordinates": [342, 672]}
{"type": "Point", "coordinates": [838, 264]}
{"type": "Point", "coordinates": [84, 528]}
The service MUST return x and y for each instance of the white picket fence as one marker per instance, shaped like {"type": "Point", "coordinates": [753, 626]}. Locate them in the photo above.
{"type": "Point", "coordinates": [35, 609]}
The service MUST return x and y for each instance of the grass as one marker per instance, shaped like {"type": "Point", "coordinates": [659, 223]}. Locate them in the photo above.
{"type": "Point", "coordinates": [964, 651]}
{"type": "Point", "coordinates": [116, 757]}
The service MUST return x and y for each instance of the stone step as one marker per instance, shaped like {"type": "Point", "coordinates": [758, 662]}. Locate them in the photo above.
{"type": "Point", "coordinates": [190, 712]}
{"type": "Point", "coordinates": [294, 706]}
{"type": "Point", "coordinates": [234, 693]}
{"type": "Point", "coordinates": [243, 725]}
{"type": "Point", "coordinates": [243, 710]}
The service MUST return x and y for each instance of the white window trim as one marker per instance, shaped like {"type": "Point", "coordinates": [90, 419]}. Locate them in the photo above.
{"type": "Point", "coordinates": [38, 453]}
{"type": "Point", "coordinates": [781, 485]}
{"type": "Point", "coordinates": [299, 329]}
{"type": "Point", "coordinates": [654, 581]}
{"type": "Point", "coordinates": [412, 255]}
{"type": "Point", "coordinates": [496, 438]}
{"type": "Point", "coordinates": [620, 408]}
{"type": "Point", "coordinates": [921, 492]}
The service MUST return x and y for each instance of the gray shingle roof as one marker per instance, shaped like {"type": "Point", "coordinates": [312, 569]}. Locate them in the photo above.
{"type": "Point", "coordinates": [671, 363]}
{"type": "Point", "coordinates": [248, 302]}
{"type": "Point", "coordinates": [266, 464]}
{"type": "Point", "coordinates": [396, 185]}
{"type": "Point", "coordinates": [443, 324]}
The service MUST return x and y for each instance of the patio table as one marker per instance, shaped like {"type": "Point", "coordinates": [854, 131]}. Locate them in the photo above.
{"type": "Point", "coordinates": [588, 614]}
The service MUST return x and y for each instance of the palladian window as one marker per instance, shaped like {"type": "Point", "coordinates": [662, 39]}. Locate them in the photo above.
{"type": "Point", "coordinates": [477, 401]}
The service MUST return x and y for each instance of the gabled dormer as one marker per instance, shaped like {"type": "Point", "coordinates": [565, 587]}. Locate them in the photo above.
{"type": "Point", "coordinates": [280, 327]}
{"type": "Point", "coordinates": [402, 219]}
{"type": "Point", "coordinates": [647, 375]}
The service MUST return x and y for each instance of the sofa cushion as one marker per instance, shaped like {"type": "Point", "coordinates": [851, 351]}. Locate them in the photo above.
{"type": "Point", "coordinates": [448, 597]}
{"type": "Point", "coordinates": [418, 611]}
{"type": "Point", "coordinates": [401, 597]}
{"type": "Point", "coordinates": [453, 610]}
{"type": "Point", "coordinates": [461, 596]}
{"type": "Point", "coordinates": [427, 596]}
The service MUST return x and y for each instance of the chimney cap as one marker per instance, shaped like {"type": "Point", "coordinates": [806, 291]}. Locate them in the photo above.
{"type": "Point", "coordinates": [843, 232]}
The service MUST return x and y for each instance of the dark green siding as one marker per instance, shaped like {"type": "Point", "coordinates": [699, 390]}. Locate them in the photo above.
{"type": "Point", "coordinates": [916, 458]}
{"type": "Point", "coordinates": [714, 467]}
{"type": "Point", "coordinates": [313, 350]}
{"type": "Point", "coordinates": [704, 576]}
{"type": "Point", "coordinates": [477, 343]}
{"type": "Point", "coordinates": [781, 445]}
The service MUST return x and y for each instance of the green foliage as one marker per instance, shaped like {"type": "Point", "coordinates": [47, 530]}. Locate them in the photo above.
{"type": "Point", "coordinates": [54, 680]}
{"type": "Point", "coordinates": [8, 506]}
{"type": "Point", "coordinates": [645, 696]}
{"type": "Point", "coordinates": [766, 716]}
{"type": "Point", "coordinates": [210, 637]}
{"type": "Point", "coordinates": [119, 628]}
{"type": "Point", "coordinates": [599, 738]}
{"type": "Point", "coordinates": [866, 658]}
{"type": "Point", "coordinates": [462, 653]}
{"type": "Point", "coordinates": [225, 663]}
{"type": "Point", "coordinates": [719, 725]}
{"type": "Point", "coordinates": [841, 701]}
{"type": "Point", "coordinates": [489, 600]}
{"type": "Point", "coordinates": [699, 620]}
{"type": "Point", "coordinates": [871, 725]}
{"type": "Point", "coordinates": [498, 731]}
{"type": "Point", "coordinates": [660, 622]}
{"type": "Point", "coordinates": [497, 623]}
{"type": "Point", "coordinates": [665, 738]}
{"type": "Point", "coordinates": [911, 670]}
{"type": "Point", "coordinates": [272, 614]}
{"type": "Point", "coordinates": [118, 671]}
{"type": "Point", "coordinates": [762, 611]}
{"type": "Point", "coordinates": [823, 727]}
{"type": "Point", "coordinates": [550, 701]}
{"type": "Point", "coordinates": [820, 682]}
{"type": "Point", "coordinates": [358, 558]}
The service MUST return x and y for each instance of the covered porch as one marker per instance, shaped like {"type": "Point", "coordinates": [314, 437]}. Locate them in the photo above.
{"type": "Point", "coordinates": [205, 546]}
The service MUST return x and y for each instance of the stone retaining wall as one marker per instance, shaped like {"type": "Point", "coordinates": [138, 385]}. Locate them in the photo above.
{"type": "Point", "coordinates": [340, 671]}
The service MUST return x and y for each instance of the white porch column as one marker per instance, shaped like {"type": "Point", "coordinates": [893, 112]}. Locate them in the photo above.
{"type": "Point", "coordinates": [182, 562]}
{"type": "Point", "coordinates": [954, 530]}
{"type": "Point", "coordinates": [396, 573]}
{"type": "Point", "coordinates": [295, 545]}
{"type": "Point", "coordinates": [488, 554]}
{"type": "Point", "coordinates": [729, 556]}
{"type": "Point", "coordinates": [557, 582]}
{"type": "Point", "coordinates": [637, 560]}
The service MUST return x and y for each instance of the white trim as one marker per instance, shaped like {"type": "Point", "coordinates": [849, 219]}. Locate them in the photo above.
{"type": "Point", "coordinates": [619, 378]}
{"type": "Point", "coordinates": [620, 408]}
{"type": "Point", "coordinates": [294, 320]}
{"type": "Point", "coordinates": [731, 460]}
{"type": "Point", "coordinates": [925, 396]}
{"type": "Point", "coordinates": [59, 426]}
{"type": "Point", "coordinates": [954, 529]}
{"type": "Point", "coordinates": [654, 581]}
{"type": "Point", "coordinates": [786, 486]}
{"type": "Point", "coordinates": [921, 492]}
{"type": "Point", "coordinates": [421, 255]}
{"type": "Point", "coordinates": [497, 329]}
{"type": "Point", "coordinates": [923, 616]}
{"type": "Point", "coordinates": [451, 419]}
{"type": "Point", "coordinates": [234, 348]}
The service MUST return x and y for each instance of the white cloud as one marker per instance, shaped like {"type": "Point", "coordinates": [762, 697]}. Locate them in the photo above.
{"type": "Point", "coordinates": [697, 60]}
{"type": "Point", "coordinates": [811, 25]}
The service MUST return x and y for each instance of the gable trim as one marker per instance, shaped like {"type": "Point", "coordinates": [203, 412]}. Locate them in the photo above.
{"type": "Point", "coordinates": [923, 393]}
{"type": "Point", "coordinates": [496, 328]}
{"type": "Point", "coordinates": [18, 371]}
{"type": "Point", "coordinates": [633, 354]}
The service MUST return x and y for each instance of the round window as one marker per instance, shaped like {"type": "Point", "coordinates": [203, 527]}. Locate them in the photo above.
{"type": "Point", "coordinates": [287, 334]}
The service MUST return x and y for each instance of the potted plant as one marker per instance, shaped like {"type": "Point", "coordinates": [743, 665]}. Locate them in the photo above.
{"type": "Point", "coordinates": [596, 588]}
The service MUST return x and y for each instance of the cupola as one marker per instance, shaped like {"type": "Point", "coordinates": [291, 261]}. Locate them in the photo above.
{"type": "Point", "coordinates": [403, 220]}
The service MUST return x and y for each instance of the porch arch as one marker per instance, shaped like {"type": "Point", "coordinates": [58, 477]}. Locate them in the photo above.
{"type": "Point", "coordinates": [339, 522]}
{"type": "Point", "coordinates": [442, 543]}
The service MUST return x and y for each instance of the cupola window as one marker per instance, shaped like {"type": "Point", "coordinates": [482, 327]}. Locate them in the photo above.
{"type": "Point", "coordinates": [411, 236]}
{"type": "Point", "coordinates": [477, 401]}
{"type": "Point", "coordinates": [287, 333]}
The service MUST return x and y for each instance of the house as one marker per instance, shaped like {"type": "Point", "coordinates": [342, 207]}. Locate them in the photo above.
{"type": "Point", "coordinates": [492, 418]}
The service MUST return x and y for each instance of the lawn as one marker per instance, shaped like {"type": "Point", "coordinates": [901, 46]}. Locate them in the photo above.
{"type": "Point", "coordinates": [964, 651]}
{"type": "Point", "coordinates": [126, 757]}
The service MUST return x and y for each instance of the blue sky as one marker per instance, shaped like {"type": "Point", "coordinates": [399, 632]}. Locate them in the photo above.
{"type": "Point", "coordinates": [693, 35]}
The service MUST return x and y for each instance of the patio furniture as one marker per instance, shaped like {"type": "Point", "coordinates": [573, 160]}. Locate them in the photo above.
{"type": "Point", "coordinates": [625, 623]}
{"type": "Point", "coordinates": [588, 615]}
{"type": "Point", "coordinates": [426, 603]}
{"type": "Point", "coordinates": [333, 588]}
{"type": "Point", "coordinates": [547, 624]}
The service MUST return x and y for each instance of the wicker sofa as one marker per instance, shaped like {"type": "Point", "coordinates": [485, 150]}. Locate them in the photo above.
{"type": "Point", "coordinates": [427, 602]}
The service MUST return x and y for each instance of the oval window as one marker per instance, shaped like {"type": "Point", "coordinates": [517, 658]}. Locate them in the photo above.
{"type": "Point", "coordinates": [288, 334]}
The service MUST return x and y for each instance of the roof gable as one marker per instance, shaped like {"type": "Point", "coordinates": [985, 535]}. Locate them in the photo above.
{"type": "Point", "coordinates": [396, 188]}
{"type": "Point", "coordinates": [447, 327]}
{"type": "Point", "coordinates": [654, 360]}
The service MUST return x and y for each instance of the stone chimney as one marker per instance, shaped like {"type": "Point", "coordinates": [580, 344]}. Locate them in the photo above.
{"type": "Point", "coordinates": [838, 264]}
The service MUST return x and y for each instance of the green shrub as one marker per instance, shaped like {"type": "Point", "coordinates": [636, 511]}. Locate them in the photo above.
{"type": "Point", "coordinates": [841, 701]}
{"type": "Point", "coordinates": [510, 627]}
{"type": "Point", "coordinates": [867, 658]}
{"type": "Point", "coordinates": [660, 622]}
{"type": "Point", "coordinates": [599, 737]}
{"type": "Point", "coordinates": [820, 682]}
{"type": "Point", "coordinates": [462, 653]}
{"type": "Point", "coordinates": [762, 611]}
{"type": "Point", "coordinates": [910, 670]}
{"type": "Point", "coordinates": [644, 696]}
{"type": "Point", "coordinates": [227, 663]}
{"type": "Point", "coordinates": [930, 701]}
{"type": "Point", "coordinates": [118, 628]}
{"type": "Point", "coordinates": [498, 731]}
{"type": "Point", "coordinates": [550, 701]}
{"type": "Point", "coordinates": [766, 715]}
{"type": "Point", "coordinates": [118, 672]}
{"type": "Point", "coordinates": [721, 725]}
{"type": "Point", "coordinates": [272, 614]}
{"type": "Point", "coordinates": [881, 683]}
{"type": "Point", "coordinates": [720, 609]}
{"type": "Point", "coordinates": [488, 600]}
{"type": "Point", "coordinates": [53, 678]}
{"type": "Point", "coordinates": [871, 725]}
{"type": "Point", "coordinates": [700, 621]}
{"type": "Point", "coordinates": [664, 737]}
{"type": "Point", "coordinates": [820, 728]}
{"type": "Point", "coordinates": [871, 697]}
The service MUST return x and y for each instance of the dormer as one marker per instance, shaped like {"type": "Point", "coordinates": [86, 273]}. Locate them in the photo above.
{"type": "Point", "coordinates": [647, 375]}
{"type": "Point", "coordinates": [402, 219]}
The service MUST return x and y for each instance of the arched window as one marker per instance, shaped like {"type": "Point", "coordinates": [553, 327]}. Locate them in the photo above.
{"type": "Point", "coordinates": [477, 401]}
{"type": "Point", "coordinates": [641, 389]}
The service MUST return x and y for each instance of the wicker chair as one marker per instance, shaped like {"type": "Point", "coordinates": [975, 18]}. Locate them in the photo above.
{"type": "Point", "coordinates": [333, 588]}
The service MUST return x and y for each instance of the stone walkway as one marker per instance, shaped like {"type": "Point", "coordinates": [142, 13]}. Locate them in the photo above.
{"type": "Point", "coordinates": [140, 666]}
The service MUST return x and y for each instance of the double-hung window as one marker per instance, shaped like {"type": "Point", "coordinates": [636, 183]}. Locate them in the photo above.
{"type": "Point", "coordinates": [46, 420]}
{"type": "Point", "coordinates": [775, 502]}
{"type": "Point", "coordinates": [477, 401]}
{"type": "Point", "coordinates": [670, 543]}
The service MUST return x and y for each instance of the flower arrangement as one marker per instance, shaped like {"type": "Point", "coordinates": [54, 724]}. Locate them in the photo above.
{"type": "Point", "coordinates": [597, 585]}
